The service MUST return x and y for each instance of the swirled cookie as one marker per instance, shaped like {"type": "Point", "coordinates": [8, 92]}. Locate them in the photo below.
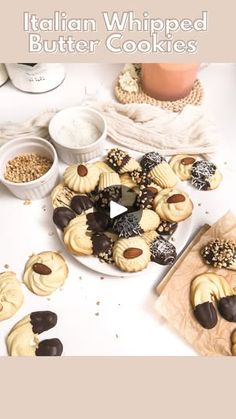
{"type": "Point", "coordinates": [77, 238]}
{"type": "Point", "coordinates": [82, 178]}
{"type": "Point", "coordinates": [61, 196]}
{"type": "Point", "coordinates": [173, 205]}
{"type": "Point", "coordinates": [45, 272]}
{"type": "Point", "coordinates": [205, 175]}
{"type": "Point", "coordinates": [158, 169]}
{"type": "Point", "coordinates": [23, 339]}
{"type": "Point", "coordinates": [182, 165]}
{"type": "Point", "coordinates": [131, 255]}
{"type": "Point", "coordinates": [11, 296]}
{"type": "Point", "coordinates": [103, 167]}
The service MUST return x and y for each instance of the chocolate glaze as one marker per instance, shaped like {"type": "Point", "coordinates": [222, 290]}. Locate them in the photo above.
{"type": "Point", "coordinates": [227, 308]}
{"type": "Point", "coordinates": [127, 225]}
{"type": "Point", "coordinates": [81, 203]}
{"type": "Point", "coordinates": [42, 321]}
{"type": "Point", "coordinates": [206, 315]}
{"type": "Point", "coordinates": [150, 160]}
{"type": "Point", "coordinates": [101, 243]}
{"type": "Point", "coordinates": [62, 216]}
{"type": "Point", "coordinates": [201, 172]}
{"type": "Point", "coordinates": [98, 222]}
{"type": "Point", "coordinates": [103, 198]}
{"type": "Point", "coordinates": [163, 252]}
{"type": "Point", "coordinates": [166, 228]}
{"type": "Point", "coordinates": [49, 347]}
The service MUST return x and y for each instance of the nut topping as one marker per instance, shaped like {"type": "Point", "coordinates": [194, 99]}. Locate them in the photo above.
{"type": "Point", "coordinates": [174, 199]}
{"type": "Point", "coordinates": [41, 269]}
{"type": "Point", "coordinates": [132, 253]}
{"type": "Point", "coordinates": [187, 160]}
{"type": "Point", "coordinates": [82, 170]}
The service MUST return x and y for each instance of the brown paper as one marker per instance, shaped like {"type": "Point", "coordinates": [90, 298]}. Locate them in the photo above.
{"type": "Point", "coordinates": [174, 302]}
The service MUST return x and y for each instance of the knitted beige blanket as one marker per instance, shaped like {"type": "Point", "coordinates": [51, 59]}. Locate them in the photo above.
{"type": "Point", "coordinates": [139, 127]}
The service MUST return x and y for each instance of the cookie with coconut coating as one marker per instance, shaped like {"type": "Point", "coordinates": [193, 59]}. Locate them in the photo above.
{"type": "Point", "coordinates": [205, 175]}
{"type": "Point", "coordinates": [158, 169]}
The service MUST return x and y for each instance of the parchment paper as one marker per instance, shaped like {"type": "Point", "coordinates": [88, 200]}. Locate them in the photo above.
{"type": "Point", "coordinates": [174, 301]}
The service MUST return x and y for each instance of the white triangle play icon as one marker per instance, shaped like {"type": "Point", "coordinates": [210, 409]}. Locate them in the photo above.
{"type": "Point", "coordinates": [116, 209]}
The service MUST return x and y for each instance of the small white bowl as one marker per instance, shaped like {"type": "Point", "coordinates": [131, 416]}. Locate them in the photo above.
{"type": "Point", "coordinates": [64, 119]}
{"type": "Point", "coordinates": [40, 187]}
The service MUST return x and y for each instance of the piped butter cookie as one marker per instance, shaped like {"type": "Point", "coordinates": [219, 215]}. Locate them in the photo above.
{"type": "Point", "coordinates": [121, 162]}
{"type": "Point", "coordinates": [173, 205]}
{"type": "Point", "coordinates": [135, 223]}
{"type": "Point", "coordinates": [220, 253]}
{"type": "Point", "coordinates": [182, 165]}
{"type": "Point", "coordinates": [11, 295]}
{"type": "Point", "coordinates": [207, 289]}
{"type": "Point", "coordinates": [205, 175]}
{"type": "Point", "coordinates": [23, 339]}
{"type": "Point", "coordinates": [82, 178]}
{"type": "Point", "coordinates": [131, 255]}
{"type": "Point", "coordinates": [158, 169]}
{"type": "Point", "coordinates": [61, 196]}
{"type": "Point", "coordinates": [45, 272]}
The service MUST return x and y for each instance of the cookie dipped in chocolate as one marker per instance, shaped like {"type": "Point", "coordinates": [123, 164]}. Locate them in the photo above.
{"type": "Point", "coordinates": [42, 321]}
{"type": "Point", "coordinates": [97, 222]}
{"type": "Point", "coordinates": [205, 314]}
{"type": "Point", "coordinates": [101, 243]}
{"type": "Point", "coordinates": [166, 228]}
{"type": "Point", "coordinates": [81, 203]}
{"type": "Point", "coordinates": [49, 347]}
{"type": "Point", "coordinates": [163, 252]}
{"type": "Point", "coordinates": [227, 308]}
{"type": "Point", "coordinates": [62, 216]}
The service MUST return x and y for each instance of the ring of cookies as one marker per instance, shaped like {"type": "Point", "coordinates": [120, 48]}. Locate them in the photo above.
{"type": "Point", "coordinates": [154, 204]}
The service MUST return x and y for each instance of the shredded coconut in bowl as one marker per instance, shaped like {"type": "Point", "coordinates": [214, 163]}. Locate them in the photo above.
{"type": "Point", "coordinates": [79, 133]}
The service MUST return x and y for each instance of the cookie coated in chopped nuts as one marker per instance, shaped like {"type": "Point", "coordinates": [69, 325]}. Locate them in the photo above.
{"type": "Point", "coordinates": [220, 253]}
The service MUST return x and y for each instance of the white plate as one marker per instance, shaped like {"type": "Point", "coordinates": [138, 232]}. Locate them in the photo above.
{"type": "Point", "coordinates": [180, 238]}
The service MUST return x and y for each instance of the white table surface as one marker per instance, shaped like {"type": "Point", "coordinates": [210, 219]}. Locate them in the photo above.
{"type": "Point", "coordinates": [127, 323]}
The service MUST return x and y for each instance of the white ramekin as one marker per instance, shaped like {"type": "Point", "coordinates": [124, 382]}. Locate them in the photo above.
{"type": "Point", "coordinates": [40, 187]}
{"type": "Point", "coordinates": [71, 155]}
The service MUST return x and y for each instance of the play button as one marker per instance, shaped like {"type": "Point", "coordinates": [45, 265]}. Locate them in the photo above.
{"type": "Point", "coordinates": [116, 209]}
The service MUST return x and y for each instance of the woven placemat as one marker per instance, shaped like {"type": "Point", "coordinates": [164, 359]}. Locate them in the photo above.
{"type": "Point", "coordinates": [193, 98]}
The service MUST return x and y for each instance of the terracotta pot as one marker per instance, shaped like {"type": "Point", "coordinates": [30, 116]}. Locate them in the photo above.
{"type": "Point", "coordinates": [168, 81]}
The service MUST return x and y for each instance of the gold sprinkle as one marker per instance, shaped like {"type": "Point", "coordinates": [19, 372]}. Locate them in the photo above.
{"type": "Point", "coordinates": [96, 314]}
{"type": "Point", "coordinates": [6, 266]}
{"type": "Point", "coordinates": [98, 303]}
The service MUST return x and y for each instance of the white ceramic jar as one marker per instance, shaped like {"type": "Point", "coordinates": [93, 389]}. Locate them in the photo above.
{"type": "Point", "coordinates": [3, 74]}
{"type": "Point", "coordinates": [36, 77]}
